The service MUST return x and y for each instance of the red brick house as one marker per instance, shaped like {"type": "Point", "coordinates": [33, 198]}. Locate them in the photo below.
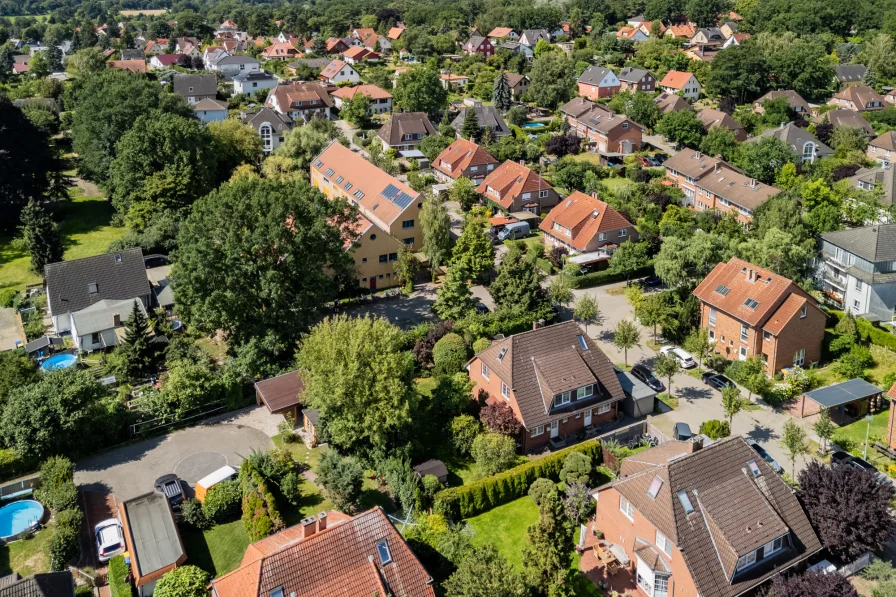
{"type": "Point", "coordinates": [514, 187]}
{"type": "Point", "coordinates": [463, 158]}
{"type": "Point", "coordinates": [556, 380]}
{"type": "Point", "coordinates": [751, 311]}
{"type": "Point", "coordinates": [607, 133]}
{"type": "Point", "coordinates": [479, 45]}
{"type": "Point", "coordinates": [585, 224]}
{"type": "Point", "coordinates": [687, 521]}
{"type": "Point", "coordinates": [597, 82]}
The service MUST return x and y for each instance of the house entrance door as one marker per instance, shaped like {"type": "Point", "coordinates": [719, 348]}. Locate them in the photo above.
{"type": "Point", "coordinates": [587, 417]}
{"type": "Point", "coordinates": [555, 429]}
{"type": "Point", "coordinates": [372, 283]}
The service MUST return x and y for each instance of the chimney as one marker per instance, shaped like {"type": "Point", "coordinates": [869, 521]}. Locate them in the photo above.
{"type": "Point", "coordinates": [321, 521]}
{"type": "Point", "coordinates": [308, 527]}
{"type": "Point", "coordinates": [698, 155]}
{"type": "Point", "coordinates": [116, 320]}
{"type": "Point", "coordinates": [538, 324]}
{"type": "Point", "coordinates": [751, 275]}
{"type": "Point", "coordinates": [695, 445]}
{"type": "Point", "coordinates": [595, 195]}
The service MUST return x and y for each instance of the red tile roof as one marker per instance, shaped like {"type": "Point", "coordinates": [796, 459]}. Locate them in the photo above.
{"type": "Point", "coordinates": [460, 155]}
{"type": "Point", "coordinates": [675, 79]}
{"type": "Point", "coordinates": [584, 216]}
{"type": "Point", "coordinates": [333, 69]}
{"type": "Point", "coordinates": [280, 50]}
{"type": "Point", "coordinates": [500, 32]}
{"type": "Point", "coordinates": [371, 91]}
{"type": "Point", "coordinates": [510, 180]}
{"type": "Point", "coordinates": [395, 32]}
{"type": "Point", "coordinates": [135, 66]}
{"type": "Point", "coordinates": [360, 53]}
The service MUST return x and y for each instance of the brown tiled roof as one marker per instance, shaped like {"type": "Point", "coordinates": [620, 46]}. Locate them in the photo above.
{"type": "Point", "coordinates": [733, 512]}
{"type": "Point", "coordinates": [669, 102]}
{"type": "Point", "coordinates": [286, 538]}
{"type": "Point", "coordinates": [288, 95]}
{"type": "Point", "coordinates": [787, 311]}
{"type": "Point", "coordinates": [333, 68]}
{"type": "Point", "coordinates": [584, 216]}
{"type": "Point", "coordinates": [340, 561]}
{"type": "Point", "coordinates": [860, 96]}
{"type": "Point", "coordinates": [513, 79]}
{"type": "Point", "coordinates": [842, 117]}
{"type": "Point", "coordinates": [722, 179]}
{"type": "Point", "coordinates": [885, 141]}
{"type": "Point", "coordinates": [540, 349]}
{"type": "Point", "coordinates": [511, 180]}
{"type": "Point", "coordinates": [675, 79]}
{"type": "Point", "coordinates": [649, 555]}
{"type": "Point", "coordinates": [135, 66]}
{"type": "Point", "coordinates": [280, 392]}
{"type": "Point", "coordinates": [359, 52]}
{"type": "Point", "coordinates": [280, 49]}
{"type": "Point", "coordinates": [716, 118]}
{"type": "Point", "coordinates": [371, 91]}
{"type": "Point", "coordinates": [405, 123]}
{"type": "Point", "coordinates": [769, 290]}
{"type": "Point", "coordinates": [462, 154]}
{"type": "Point", "coordinates": [333, 43]}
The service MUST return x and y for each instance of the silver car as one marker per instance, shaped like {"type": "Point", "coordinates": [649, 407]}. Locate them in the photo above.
{"type": "Point", "coordinates": [683, 357]}
{"type": "Point", "coordinates": [109, 539]}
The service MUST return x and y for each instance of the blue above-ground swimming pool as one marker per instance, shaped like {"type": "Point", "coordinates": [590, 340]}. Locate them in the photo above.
{"type": "Point", "coordinates": [19, 516]}
{"type": "Point", "coordinates": [59, 361]}
{"type": "Point", "coordinates": [534, 125]}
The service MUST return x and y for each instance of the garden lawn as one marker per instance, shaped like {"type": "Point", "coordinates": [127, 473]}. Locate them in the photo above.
{"type": "Point", "coordinates": [218, 550]}
{"type": "Point", "coordinates": [616, 182]}
{"type": "Point", "coordinates": [28, 556]}
{"type": "Point", "coordinates": [86, 231]}
{"type": "Point", "coordinates": [505, 527]}
{"type": "Point", "coordinates": [852, 437]}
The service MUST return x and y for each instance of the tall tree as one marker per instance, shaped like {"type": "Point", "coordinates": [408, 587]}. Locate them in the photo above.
{"type": "Point", "coordinates": [651, 311]}
{"type": "Point", "coordinates": [235, 143]}
{"type": "Point", "coordinates": [41, 236]}
{"type": "Point", "coordinates": [303, 143]}
{"type": "Point", "coordinates": [436, 232]}
{"type": "Point", "coordinates": [732, 403]}
{"type": "Point", "coordinates": [257, 259]}
{"type": "Point", "coordinates": [501, 96]}
{"type": "Point", "coordinates": [812, 584]}
{"type": "Point", "coordinates": [454, 300]}
{"type": "Point", "coordinates": [762, 159]}
{"type": "Point", "coordinates": [356, 110]}
{"type": "Point", "coordinates": [682, 262]}
{"type": "Point", "coordinates": [682, 128]}
{"type": "Point", "coordinates": [359, 378]}
{"type": "Point", "coordinates": [553, 79]}
{"type": "Point", "coordinates": [136, 343]}
{"type": "Point", "coordinates": [470, 127]}
{"type": "Point", "coordinates": [518, 284]}
{"type": "Point", "coordinates": [474, 249]}
{"type": "Point", "coordinates": [549, 547]}
{"type": "Point", "coordinates": [849, 508]}
{"type": "Point", "coordinates": [628, 259]}
{"type": "Point", "coordinates": [586, 310]}
{"type": "Point", "coordinates": [666, 366]}
{"type": "Point", "coordinates": [420, 90]}
{"type": "Point", "coordinates": [794, 441]}
{"type": "Point", "coordinates": [463, 191]}
{"type": "Point", "coordinates": [741, 73]}
{"type": "Point", "coordinates": [626, 335]}
{"type": "Point", "coordinates": [484, 572]}
{"type": "Point", "coordinates": [705, 13]}
{"type": "Point", "coordinates": [24, 156]}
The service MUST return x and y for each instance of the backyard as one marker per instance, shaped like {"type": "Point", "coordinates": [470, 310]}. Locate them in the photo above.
{"type": "Point", "coordinates": [28, 556]}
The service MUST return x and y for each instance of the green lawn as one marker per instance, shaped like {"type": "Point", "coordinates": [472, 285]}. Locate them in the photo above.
{"type": "Point", "coordinates": [852, 436]}
{"type": "Point", "coordinates": [217, 550]}
{"type": "Point", "coordinates": [616, 182]}
{"type": "Point", "coordinates": [28, 556]}
{"type": "Point", "coordinates": [505, 527]}
{"type": "Point", "coordinates": [85, 228]}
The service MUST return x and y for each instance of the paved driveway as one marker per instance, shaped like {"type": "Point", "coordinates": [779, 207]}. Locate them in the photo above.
{"type": "Point", "coordinates": [405, 312]}
{"type": "Point", "coordinates": [190, 453]}
{"type": "Point", "coordinates": [10, 330]}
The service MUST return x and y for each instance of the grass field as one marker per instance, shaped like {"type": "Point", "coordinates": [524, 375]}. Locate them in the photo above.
{"type": "Point", "coordinates": [217, 550]}
{"type": "Point", "coordinates": [86, 231]}
{"type": "Point", "coordinates": [28, 556]}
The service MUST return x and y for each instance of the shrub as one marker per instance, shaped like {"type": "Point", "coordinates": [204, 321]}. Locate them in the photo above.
{"type": "Point", "coordinates": [481, 344]}
{"type": "Point", "coordinates": [7, 297]}
{"type": "Point", "coordinates": [449, 354]}
{"type": "Point", "coordinates": [291, 487]}
{"type": "Point", "coordinates": [576, 468]}
{"type": "Point", "coordinates": [186, 581]}
{"type": "Point", "coordinates": [502, 321]}
{"type": "Point", "coordinates": [464, 429]}
{"type": "Point", "coordinates": [541, 489]}
{"type": "Point", "coordinates": [425, 344]}
{"type": "Point", "coordinates": [286, 430]}
{"type": "Point", "coordinates": [715, 429]}
{"type": "Point", "coordinates": [606, 277]}
{"type": "Point", "coordinates": [493, 453]}
{"type": "Point", "coordinates": [260, 515]}
{"type": "Point", "coordinates": [118, 577]}
{"type": "Point", "coordinates": [222, 502]}
{"type": "Point", "coordinates": [499, 418]}
{"type": "Point", "coordinates": [194, 514]}
{"type": "Point", "coordinates": [57, 490]}
{"type": "Point", "coordinates": [65, 545]}
{"type": "Point", "coordinates": [474, 498]}
{"type": "Point", "coordinates": [431, 485]}
{"type": "Point", "coordinates": [341, 478]}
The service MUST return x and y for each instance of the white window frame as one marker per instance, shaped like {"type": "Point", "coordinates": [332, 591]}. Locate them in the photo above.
{"type": "Point", "coordinates": [626, 508]}
{"type": "Point", "coordinates": [804, 311]}
{"type": "Point", "coordinates": [542, 194]}
{"type": "Point", "coordinates": [799, 358]}
{"type": "Point", "coordinates": [663, 543]}
{"type": "Point", "coordinates": [744, 333]}
{"type": "Point", "coordinates": [584, 392]}
{"type": "Point", "coordinates": [539, 430]}
{"type": "Point", "coordinates": [505, 391]}
{"type": "Point", "coordinates": [603, 409]}
{"type": "Point", "coordinates": [712, 316]}
{"type": "Point", "coordinates": [564, 398]}
{"type": "Point", "coordinates": [623, 232]}
{"type": "Point", "coordinates": [746, 561]}
{"type": "Point", "coordinates": [772, 547]}
{"type": "Point", "coordinates": [485, 371]}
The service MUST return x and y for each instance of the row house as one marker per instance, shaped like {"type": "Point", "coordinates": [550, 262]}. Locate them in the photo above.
{"type": "Point", "coordinates": [463, 158]}
{"type": "Point", "coordinates": [860, 99]}
{"type": "Point", "coordinates": [606, 133]}
{"type": "Point", "coordinates": [750, 311]}
{"type": "Point", "coordinates": [801, 141]}
{"type": "Point", "coordinates": [300, 101]}
{"type": "Point", "coordinates": [514, 187]}
{"type": "Point", "coordinates": [688, 520]}
{"type": "Point", "coordinates": [712, 184]}
{"type": "Point", "coordinates": [388, 209]}
{"type": "Point", "coordinates": [555, 379]}
{"type": "Point", "coordinates": [597, 82]}
{"type": "Point", "coordinates": [380, 99]}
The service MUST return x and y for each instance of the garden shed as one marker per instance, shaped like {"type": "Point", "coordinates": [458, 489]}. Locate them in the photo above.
{"type": "Point", "coordinates": [281, 394]}
{"type": "Point", "coordinates": [152, 539]}
{"type": "Point", "coordinates": [846, 401]}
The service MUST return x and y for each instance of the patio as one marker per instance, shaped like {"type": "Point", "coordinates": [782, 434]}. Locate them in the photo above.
{"type": "Point", "coordinates": [597, 568]}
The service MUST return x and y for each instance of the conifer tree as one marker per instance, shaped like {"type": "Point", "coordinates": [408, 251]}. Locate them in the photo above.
{"type": "Point", "coordinates": [41, 235]}
{"type": "Point", "coordinates": [501, 95]}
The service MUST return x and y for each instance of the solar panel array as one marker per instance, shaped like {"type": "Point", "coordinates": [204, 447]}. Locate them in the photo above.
{"type": "Point", "coordinates": [397, 196]}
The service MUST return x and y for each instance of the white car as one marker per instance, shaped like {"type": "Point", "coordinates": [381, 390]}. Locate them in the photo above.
{"type": "Point", "coordinates": [109, 539]}
{"type": "Point", "coordinates": [684, 358]}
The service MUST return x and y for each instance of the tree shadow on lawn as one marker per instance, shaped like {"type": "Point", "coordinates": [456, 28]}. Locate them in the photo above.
{"type": "Point", "coordinates": [196, 548]}
{"type": "Point", "coordinates": [83, 216]}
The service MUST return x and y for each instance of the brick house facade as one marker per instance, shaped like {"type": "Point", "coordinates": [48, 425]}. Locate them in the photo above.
{"type": "Point", "coordinates": [607, 133]}
{"type": "Point", "coordinates": [749, 311]}
{"type": "Point", "coordinates": [514, 187]}
{"type": "Point", "coordinates": [554, 378]}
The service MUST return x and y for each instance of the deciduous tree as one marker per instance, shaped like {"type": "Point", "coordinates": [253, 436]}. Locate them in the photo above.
{"type": "Point", "coordinates": [629, 258]}
{"type": "Point", "coordinates": [518, 284]}
{"type": "Point", "coordinates": [681, 127]}
{"type": "Point", "coordinates": [463, 191]}
{"type": "Point", "coordinates": [484, 572]}
{"type": "Point", "coordinates": [552, 79]}
{"type": "Point", "coordinates": [436, 232]}
{"type": "Point", "coordinates": [473, 249]}
{"type": "Point", "coordinates": [667, 367]}
{"type": "Point", "coordinates": [626, 335]}
{"type": "Point", "coordinates": [812, 584]}
{"type": "Point", "coordinates": [493, 453]}
{"type": "Point", "coordinates": [795, 442]}
{"type": "Point", "coordinates": [420, 90]}
{"type": "Point", "coordinates": [586, 310]}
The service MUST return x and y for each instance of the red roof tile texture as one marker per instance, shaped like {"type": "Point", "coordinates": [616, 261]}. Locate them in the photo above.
{"type": "Point", "coordinates": [584, 216]}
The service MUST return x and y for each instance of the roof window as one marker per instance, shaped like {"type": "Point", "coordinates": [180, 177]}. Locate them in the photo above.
{"type": "Point", "coordinates": [751, 303]}
{"type": "Point", "coordinates": [92, 288]}
{"type": "Point", "coordinates": [382, 549]}
{"type": "Point", "coordinates": [329, 172]}
{"type": "Point", "coordinates": [502, 353]}
{"type": "Point", "coordinates": [685, 502]}
{"type": "Point", "coordinates": [655, 486]}
{"type": "Point", "coordinates": [319, 163]}
{"type": "Point", "coordinates": [754, 469]}
{"type": "Point", "coordinates": [582, 343]}
{"type": "Point", "coordinates": [722, 289]}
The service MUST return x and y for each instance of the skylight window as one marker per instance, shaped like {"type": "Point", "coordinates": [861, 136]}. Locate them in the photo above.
{"type": "Point", "coordinates": [685, 502]}
{"type": "Point", "coordinates": [348, 186]}
{"type": "Point", "coordinates": [339, 179]}
{"type": "Point", "coordinates": [382, 549]}
{"type": "Point", "coordinates": [751, 303]}
{"type": "Point", "coordinates": [655, 487]}
{"type": "Point", "coordinates": [582, 342]}
{"type": "Point", "coordinates": [502, 354]}
{"type": "Point", "coordinates": [319, 163]}
{"type": "Point", "coordinates": [329, 172]}
{"type": "Point", "coordinates": [754, 469]}
{"type": "Point", "coordinates": [722, 289]}
{"type": "Point", "coordinates": [358, 195]}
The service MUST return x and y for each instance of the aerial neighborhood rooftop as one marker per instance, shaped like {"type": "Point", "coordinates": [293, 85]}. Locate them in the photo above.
{"type": "Point", "coordinates": [509, 299]}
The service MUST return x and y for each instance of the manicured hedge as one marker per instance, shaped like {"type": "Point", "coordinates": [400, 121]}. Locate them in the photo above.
{"type": "Point", "coordinates": [118, 575]}
{"type": "Point", "coordinates": [606, 277]}
{"type": "Point", "coordinates": [469, 500]}
{"type": "Point", "coordinates": [260, 515]}
{"type": "Point", "coordinates": [869, 332]}
{"type": "Point", "coordinates": [502, 321]}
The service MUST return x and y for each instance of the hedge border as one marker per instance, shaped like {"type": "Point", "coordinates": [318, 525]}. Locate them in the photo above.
{"type": "Point", "coordinates": [869, 332]}
{"type": "Point", "coordinates": [483, 495]}
{"type": "Point", "coordinates": [118, 574]}
{"type": "Point", "coordinates": [606, 277]}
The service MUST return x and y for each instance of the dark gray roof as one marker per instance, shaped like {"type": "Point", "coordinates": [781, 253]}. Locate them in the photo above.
{"type": "Point", "coordinates": [52, 584]}
{"type": "Point", "coordinates": [850, 73]}
{"type": "Point", "coordinates": [238, 60]}
{"type": "Point", "coordinates": [796, 138]}
{"type": "Point", "coordinates": [593, 75]}
{"type": "Point", "coordinates": [280, 122]}
{"type": "Point", "coordinates": [74, 285]}
{"type": "Point", "coordinates": [200, 84]}
{"type": "Point", "coordinates": [256, 76]}
{"type": "Point", "coordinates": [843, 393]}
{"type": "Point", "coordinates": [405, 123]}
{"type": "Point", "coordinates": [712, 33]}
{"type": "Point", "coordinates": [317, 63]}
{"type": "Point", "coordinates": [475, 41]}
{"type": "Point", "coordinates": [43, 342]}
{"type": "Point", "coordinates": [885, 176]}
{"type": "Point", "coordinates": [133, 55]}
{"type": "Point", "coordinates": [436, 468]}
{"type": "Point", "coordinates": [487, 116]}
{"type": "Point", "coordinates": [633, 387]}
{"type": "Point", "coordinates": [531, 36]}
{"type": "Point", "coordinates": [313, 415]}
{"type": "Point", "coordinates": [153, 532]}
{"type": "Point", "coordinates": [872, 243]}
{"type": "Point", "coordinates": [632, 75]}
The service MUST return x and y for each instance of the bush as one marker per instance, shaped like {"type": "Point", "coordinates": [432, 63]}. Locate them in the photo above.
{"type": "Point", "coordinates": [576, 468]}
{"type": "Point", "coordinates": [541, 489]}
{"type": "Point", "coordinates": [464, 429]}
{"type": "Point", "coordinates": [57, 490]}
{"type": "Point", "coordinates": [291, 488]}
{"type": "Point", "coordinates": [341, 478]}
{"type": "Point", "coordinates": [8, 297]}
{"type": "Point", "coordinates": [186, 581]}
{"type": "Point", "coordinates": [12, 466]}
{"type": "Point", "coordinates": [449, 355]}
{"type": "Point", "coordinates": [286, 430]}
{"type": "Point", "coordinates": [481, 344]}
{"type": "Point", "coordinates": [715, 429]}
{"type": "Point", "coordinates": [474, 498]}
{"type": "Point", "coordinates": [493, 453]}
{"type": "Point", "coordinates": [502, 321]}
{"type": "Point", "coordinates": [65, 545]}
{"type": "Point", "coordinates": [222, 502]}
{"type": "Point", "coordinates": [118, 577]}
{"type": "Point", "coordinates": [260, 514]}
{"type": "Point", "coordinates": [194, 514]}
{"type": "Point", "coordinates": [606, 277]}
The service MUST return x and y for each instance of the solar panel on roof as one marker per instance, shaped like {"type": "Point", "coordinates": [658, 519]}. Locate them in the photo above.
{"type": "Point", "coordinates": [403, 200]}
{"type": "Point", "coordinates": [390, 191]}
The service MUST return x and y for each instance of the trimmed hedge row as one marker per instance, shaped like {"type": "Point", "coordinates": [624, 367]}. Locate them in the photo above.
{"type": "Point", "coordinates": [260, 515]}
{"type": "Point", "coordinates": [606, 277]}
{"type": "Point", "coordinates": [485, 494]}
{"type": "Point", "coordinates": [871, 333]}
{"type": "Point", "coordinates": [118, 577]}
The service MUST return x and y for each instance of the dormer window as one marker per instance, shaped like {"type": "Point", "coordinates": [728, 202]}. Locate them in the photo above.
{"type": "Point", "coordinates": [585, 392]}
{"type": "Point", "coordinates": [746, 561]}
{"type": "Point", "coordinates": [562, 399]}
{"type": "Point", "coordinates": [804, 311]}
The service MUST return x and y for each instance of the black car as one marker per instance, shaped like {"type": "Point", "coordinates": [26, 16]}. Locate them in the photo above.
{"type": "Point", "coordinates": [644, 374]}
{"type": "Point", "coordinates": [482, 309]}
{"type": "Point", "coordinates": [172, 487]}
{"type": "Point", "coordinates": [717, 380]}
{"type": "Point", "coordinates": [682, 432]}
{"type": "Point", "coordinates": [767, 457]}
{"type": "Point", "coordinates": [652, 281]}
{"type": "Point", "coordinates": [841, 458]}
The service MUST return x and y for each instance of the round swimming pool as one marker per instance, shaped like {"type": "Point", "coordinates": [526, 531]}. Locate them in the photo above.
{"type": "Point", "coordinates": [19, 516]}
{"type": "Point", "coordinates": [59, 361]}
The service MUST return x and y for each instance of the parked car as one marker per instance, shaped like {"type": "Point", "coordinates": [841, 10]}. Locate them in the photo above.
{"type": "Point", "coordinates": [646, 375]}
{"type": "Point", "coordinates": [683, 357]}
{"type": "Point", "coordinates": [661, 158]}
{"type": "Point", "coordinates": [841, 458]}
{"type": "Point", "coordinates": [514, 231]}
{"type": "Point", "coordinates": [173, 489]}
{"type": "Point", "coordinates": [109, 539]}
{"type": "Point", "coordinates": [682, 431]}
{"type": "Point", "coordinates": [652, 281]}
{"type": "Point", "coordinates": [644, 161]}
{"type": "Point", "coordinates": [766, 457]}
{"type": "Point", "coordinates": [717, 380]}
{"type": "Point", "coordinates": [482, 308]}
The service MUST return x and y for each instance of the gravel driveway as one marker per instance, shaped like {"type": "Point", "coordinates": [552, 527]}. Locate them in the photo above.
{"type": "Point", "coordinates": [10, 330]}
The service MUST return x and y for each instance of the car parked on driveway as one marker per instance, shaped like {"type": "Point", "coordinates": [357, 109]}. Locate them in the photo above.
{"type": "Point", "coordinates": [766, 457]}
{"type": "Point", "coordinates": [109, 539]}
{"type": "Point", "coordinates": [683, 357]}
{"type": "Point", "coordinates": [644, 374]}
{"type": "Point", "coordinates": [717, 380]}
{"type": "Point", "coordinates": [652, 281]}
{"type": "Point", "coordinates": [682, 432]}
{"type": "Point", "coordinates": [173, 489]}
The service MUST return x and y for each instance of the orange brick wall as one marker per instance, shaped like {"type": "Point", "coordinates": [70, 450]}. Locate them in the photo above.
{"type": "Point", "coordinates": [593, 92]}
{"type": "Point", "coordinates": [618, 529]}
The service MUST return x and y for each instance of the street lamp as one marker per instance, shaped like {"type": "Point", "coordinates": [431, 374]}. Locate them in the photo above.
{"type": "Point", "coordinates": [867, 435]}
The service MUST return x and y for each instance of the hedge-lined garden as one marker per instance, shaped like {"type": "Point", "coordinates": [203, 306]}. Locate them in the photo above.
{"type": "Point", "coordinates": [469, 500]}
{"type": "Point", "coordinates": [118, 577]}
{"type": "Point", "coordinates": [604, 277]}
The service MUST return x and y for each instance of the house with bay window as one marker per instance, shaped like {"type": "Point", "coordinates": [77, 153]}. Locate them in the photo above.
{"type": "Point", "coordinates": [686, 520]}
{"type": "Point", "coordinates": [555, 379]}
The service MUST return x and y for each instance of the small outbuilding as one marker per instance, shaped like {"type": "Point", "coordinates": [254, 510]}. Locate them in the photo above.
{"type": "Point", "coordinates": [44, 346]}
{"type": "Point", "coordinates": [846, 401]}
{"type": "Point", "coordinates": [436, 468]}
{"type": "Point", "coordinates": [310, 417]}
{"type": "Point", "coordinates": [639, 398]}
{"type": "Point", "coordinates": [281, 394]}
{"type": "Point", "coordinates": [153, 541]}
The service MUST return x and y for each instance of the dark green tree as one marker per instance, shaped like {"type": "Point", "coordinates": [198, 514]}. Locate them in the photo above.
{"type": "Point", "coordinates": [762, 160]}
{"type": "Point", "coordinates": [470, 128]}
{"type": "Point", "coordinates": [553, 79]}
{"type": "Point", "coordinates": [420, 90]}
{"type": "Point", "coordinates": [741, 73]}
{"type": "Point", "coordinates": [473, 250]}
{"type": "Point", "coordinates": [518, 284]}
{"type": "Point", "coordinates": [705, 13]}
{"type": "Point", "coordinates": [136, 343]}
{"type": "Point", "coordinates": [184, 581]}
{"type": "Point", "coordinates": [41, 236]}
{"type": "Point", "coordinates": [501, 96]}
{"type": "Point", "coordinates": [681, 128]}
{"type": "Point", "coordinates": [356, 110]}
{"type": "Point", "coordinates": [549, 548]}
{"type": "Point", "coordinates": [484, 572]}
{"type": "Point", "coordinates": [24, 156]}
{"type": "Point", "coordinates": [454, 300]}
